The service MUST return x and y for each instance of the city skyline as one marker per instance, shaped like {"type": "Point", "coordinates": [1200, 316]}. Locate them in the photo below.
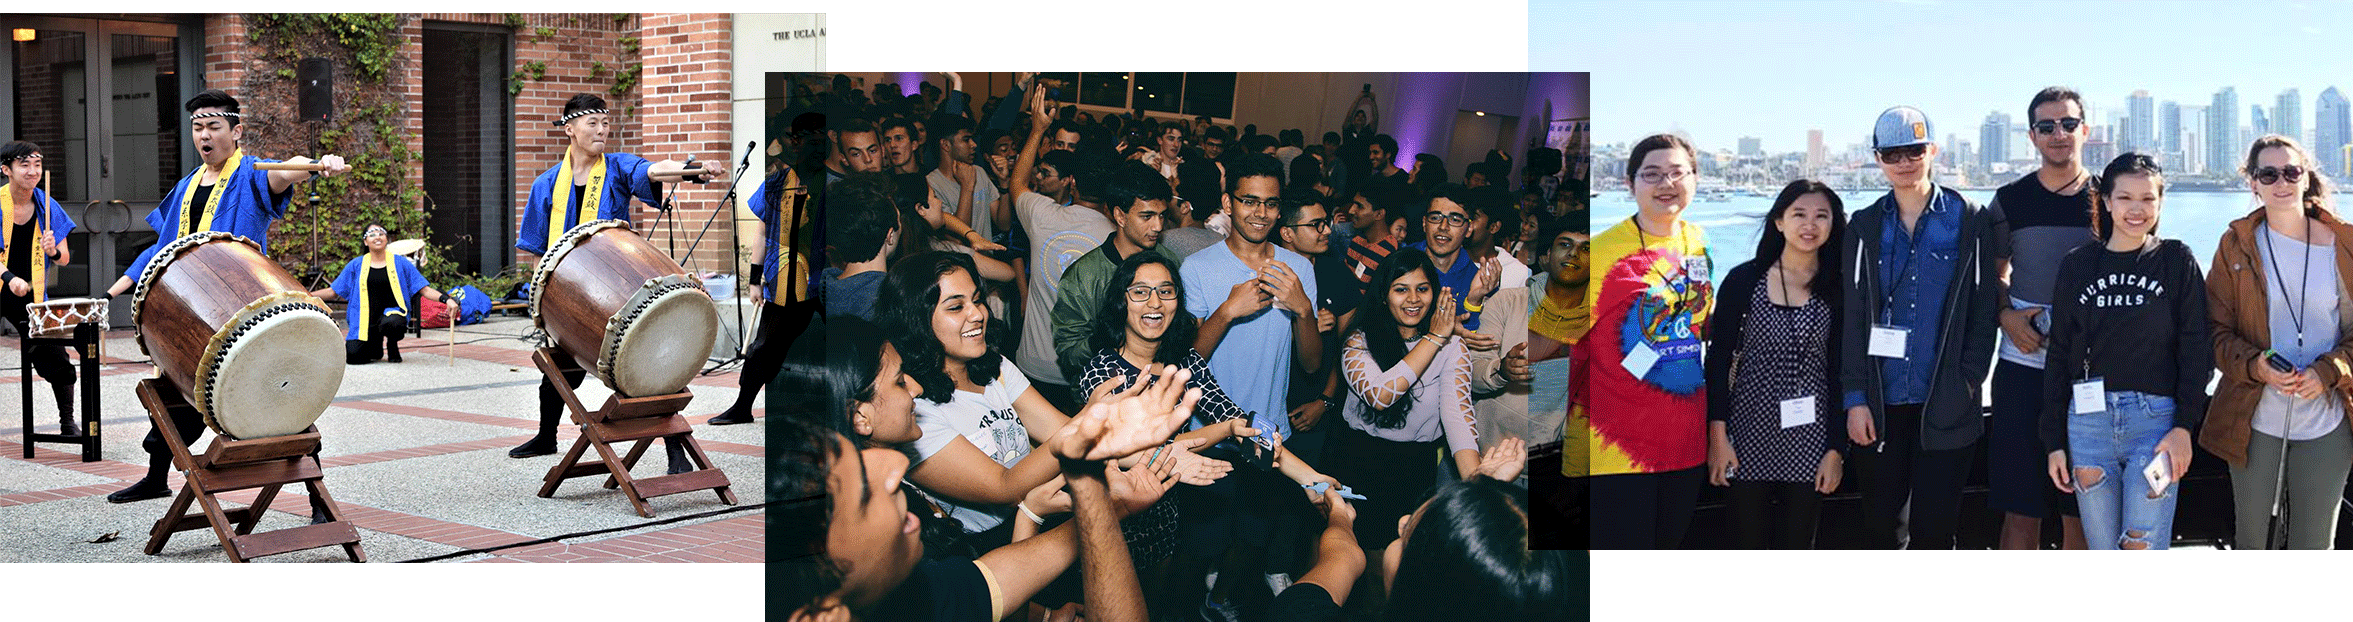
{"type": "Point", "coordinates": [1788, 79]}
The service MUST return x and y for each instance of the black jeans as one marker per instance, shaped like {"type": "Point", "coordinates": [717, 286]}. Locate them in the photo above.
{"type": "Point", "coordinates": [1758, 523]}
{"type": "Point", "coordinates": [1644, 510]}
{"type": "Point", "coordinates": [779, 326]}
{"type": "Point", "coordinates": [1897, 473]}
{"type": "Point", "coordinates": [389, 330]}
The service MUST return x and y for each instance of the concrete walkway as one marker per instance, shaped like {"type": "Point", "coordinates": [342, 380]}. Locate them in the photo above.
{"type": "Point", "coordinates": [415, 453]}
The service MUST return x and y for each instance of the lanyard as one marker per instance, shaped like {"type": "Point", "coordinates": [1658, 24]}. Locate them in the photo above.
{"type": "Point", "coordinates": [2295, 312]}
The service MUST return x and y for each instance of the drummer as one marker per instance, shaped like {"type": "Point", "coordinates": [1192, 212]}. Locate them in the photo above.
{"type": "Point", "coordinates": [767, 354]}
{"type": "Point", "coordinates": [224, 194]}
{"type": "Point", "coordinates": [379, 286]}
{"type": "Point", "coordinates": [33, 224]}
{"type": "Point", "coordinates": [587, 173]}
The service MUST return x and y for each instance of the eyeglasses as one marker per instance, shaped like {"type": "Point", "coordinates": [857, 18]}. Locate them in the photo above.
{"type": "Point", "coordinates": [1446, 218]}
{"type": "Point", "coordinates": [2274, 174]}
{"type": "Point", "coordinates": [1659, 177]}
{"type": "Point", "coordinates": [1318, 224]}
{"type": "Point", "coordinates": [2052, 126]}
{"type": "Point", "coordinates": [1141, 293]}
{"type": "Point", "coordinates": [1255, 202]}
{"type": "Point", "coordinates": [1908, 153]}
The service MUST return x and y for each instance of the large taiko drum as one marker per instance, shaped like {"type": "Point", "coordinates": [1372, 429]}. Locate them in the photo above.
{"type": "Point", "coordinates": [245, 343]}
{"type": "Point", "coordinates": [603, 294]}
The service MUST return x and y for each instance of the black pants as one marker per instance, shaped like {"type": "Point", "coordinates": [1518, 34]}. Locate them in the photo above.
{"type": "Point", "coordinates": [551, 404]}
{"type": "Point", "coordinates": [1759, 523]}
{"type": "Point", "coordinates": [52, 364]}
{"type": "Point", "coordinates": [779, 326]}
{"type": "Point", "coordinates": [1644, 510]}
{"type": "Point", "coordinates": [389, 330]}
{"type": "Point", "coordinates": [1898, 473]}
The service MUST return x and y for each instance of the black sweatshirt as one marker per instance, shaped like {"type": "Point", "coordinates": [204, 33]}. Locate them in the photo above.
{"type": "Point", "coordinates": [2141, 317]}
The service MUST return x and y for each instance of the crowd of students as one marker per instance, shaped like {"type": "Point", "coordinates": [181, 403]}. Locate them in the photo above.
{"type": "Point", "coordinates": [1154, 367]}
{"type": "Point", "coordinates": [1864, 339]}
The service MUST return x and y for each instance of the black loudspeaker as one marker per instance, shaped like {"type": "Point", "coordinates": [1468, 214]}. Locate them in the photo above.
{"type": "Point", "coordinates": [316, 78]}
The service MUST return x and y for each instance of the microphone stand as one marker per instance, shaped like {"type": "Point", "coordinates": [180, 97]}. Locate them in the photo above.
{"type": "Point", "coordinates": [735, 251]}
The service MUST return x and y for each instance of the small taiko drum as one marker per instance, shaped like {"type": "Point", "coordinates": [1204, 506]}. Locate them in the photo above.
{"type": "Point", "coordinates": [57, 318]}
{"type": "Point", "coordinates": [243, 340]}
{"type": "Point", "coordinates": [603, 294]}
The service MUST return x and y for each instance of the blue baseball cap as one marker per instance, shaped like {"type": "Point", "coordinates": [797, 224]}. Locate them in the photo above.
{"type": "Point", "coordinates": [1901, 126]}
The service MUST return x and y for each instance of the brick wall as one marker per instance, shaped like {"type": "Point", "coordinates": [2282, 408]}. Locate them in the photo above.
{"type": "Point", "coordinates": [679, 107]}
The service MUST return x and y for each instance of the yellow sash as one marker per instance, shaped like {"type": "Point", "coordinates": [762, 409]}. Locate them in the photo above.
{"type": "Point", "coordinates": [560, 210]}
{"type": "Point", "coordinates": [212, 206]}
{"type": "Point", "coordinates": [8, 233]}
{"type": "Point", "coordinates": [400, 299]}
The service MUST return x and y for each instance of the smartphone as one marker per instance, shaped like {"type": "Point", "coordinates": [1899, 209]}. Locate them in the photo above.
{"type": "Point", "coordinates": [2278, 363]}
{"type": "Point", "coordinates": [2160, 472]}
{"type": "Point", "coordinates": [1259, 452]}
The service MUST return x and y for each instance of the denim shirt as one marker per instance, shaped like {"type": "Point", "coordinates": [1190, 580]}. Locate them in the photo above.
{"type": "Point", "coordinates": [1916, 273]}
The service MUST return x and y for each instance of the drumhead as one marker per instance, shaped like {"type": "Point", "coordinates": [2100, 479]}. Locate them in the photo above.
{"type": "Point", "coordinates": [660, 347]}
{"type": "Point", "coordinates": [276, 375]}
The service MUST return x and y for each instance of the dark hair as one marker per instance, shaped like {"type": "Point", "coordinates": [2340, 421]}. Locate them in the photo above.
{"type": "Point", "coordinates": [1468, 558]}
{"type": "Point", "coordinates": [1064, 126]}
{"type": "Point", "coordinates": [1292, 137]}
{"type": "Point", "coordinates": [2316, 193]}
{"type": "Point", "coordinates": [1165, 128]}
{"type": "Point", "coordinates": [1500, 207]}
{"type": "Point", "coordinates": [799, 466]}
{"type": "Point", "coordinates": [214, 98]}
{"type": "Point", "coordinates": [1111, 316]}
{"type": "Point", "coordinates": [905, 308]}
{"type": "Point", "coordinates": [829, 366]}
{"type": "Point", "coordinates": [1331, 138]}
{"type": "Point", "coordinates": [898, 121]}
{"type": "Point", "coordinates": [17, 150]}
{"type": "Point", "coordinates": [2132, 163]}
{"type": "Point", "coordinates": [1133, 181]}
{"type": "Point", "coordinates": [1218, 133]}
{"type": "Point", "coordinates": [1065, 163]}
{"type": "Point", "coordinates": [863, 211]}
{"type": "Point", "coordinates": [1248, 165]}
{"type": "Point", "coordinates": [1825, 284]}
{"type": "Point", "coordinates": [1388, 144]}
{"type": "Point", "coordinates": [1092, 161]}
{"type": "Point", "coordinates": [1297, 199]}
{"type": "Point", "coordinates": [2052, 94]}
{"type": "Point", "coordinates": [1655, 142]}
{"type": "Point", "coordinates": [1380, 327]}
{"type": "Point", "coordinates": [583, 101]}
{"type": "Point", "coordinates": [945, 127]}
{"type": "Point", "coordinates": [853, 125]}
{"type": "Point", "coordinates": [1305, 171]}
{"type": "Point", "coordinates": [1433, 172]}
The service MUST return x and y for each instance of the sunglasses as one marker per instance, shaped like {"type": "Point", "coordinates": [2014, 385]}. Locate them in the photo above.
{"type": "Point", "coordinates": [1910, 153]}
{"type": "Point", "coordinates": [2052, 126]}
{"type": "Point", "coordinates": [2274, 174]}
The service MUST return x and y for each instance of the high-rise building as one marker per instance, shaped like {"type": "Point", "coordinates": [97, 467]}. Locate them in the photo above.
{"type": "Point", "coordinates": [2169, 130]}
{"type": "Point", "coordinates": [2287, 116]}
{"type": "Point", "coordinates": [2193, 138]}
{"type": "Point", "coordinates": [1752, 146]}
{"type": "Point", "coordinates": [2257, 121]}
{"type": "Point", "coordinates": [1993, 139]}
{"type": "Point", "coordinates": [2140, 122]}
{"type": "Point", "coordinates": [2222, 129]}
{"type": "Point", "coordinates": [2332, 128]}
{"type": "Point", "coordinates": [1817, 155]}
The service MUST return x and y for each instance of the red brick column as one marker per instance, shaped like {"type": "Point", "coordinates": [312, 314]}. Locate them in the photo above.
{"type": "Point", "coordinates": [687, 84]}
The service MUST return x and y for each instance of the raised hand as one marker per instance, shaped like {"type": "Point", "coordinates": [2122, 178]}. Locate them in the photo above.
{"type": "Point", "coordinates": [1128, 421]}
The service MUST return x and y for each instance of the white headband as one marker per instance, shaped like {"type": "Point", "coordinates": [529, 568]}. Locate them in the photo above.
{"type": "Point", "coordinates": [578, 114]}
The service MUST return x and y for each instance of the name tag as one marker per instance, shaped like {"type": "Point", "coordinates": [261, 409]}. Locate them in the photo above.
{"type": "Point", "coordinates": [1797, 411]}
{"type": "Point", "coordinates": [1641, 359]}
{"type": "Point", "coordinates": [2091, 396]}
{"type": "Point", "coordinates": [1888, 341]}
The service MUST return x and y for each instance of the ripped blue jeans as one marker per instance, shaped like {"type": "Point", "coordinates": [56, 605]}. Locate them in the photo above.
{"type": "Point", "coordinates": [2108, 450]}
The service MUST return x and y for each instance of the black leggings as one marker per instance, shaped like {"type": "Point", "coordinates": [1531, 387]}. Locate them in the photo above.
{"type": "Point", "coordinates": [1900, 474]}
{"type": "Point", "coordinates": [1791, 523]}
{"type": "Point", "coordinates": [1644, 510]}
{"type": "Point", "coordinates": [779, 325]}
{"type": "Point", "coordinates": [389, 330]}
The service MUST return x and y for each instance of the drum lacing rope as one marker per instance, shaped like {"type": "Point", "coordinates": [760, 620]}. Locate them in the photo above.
{"type": "Point", "coordinates": [654, 290]}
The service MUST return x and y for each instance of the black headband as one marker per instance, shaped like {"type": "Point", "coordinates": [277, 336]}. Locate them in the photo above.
{"type": "Point", "coordinates": [578, 114]}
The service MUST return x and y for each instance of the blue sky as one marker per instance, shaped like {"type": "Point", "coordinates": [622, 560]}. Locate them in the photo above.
{"type": "Point", "coordinates": [1722, 70]}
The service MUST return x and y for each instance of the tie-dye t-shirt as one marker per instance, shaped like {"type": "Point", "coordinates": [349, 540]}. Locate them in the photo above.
{"type": "Point", "coordinates": [1645, 405]}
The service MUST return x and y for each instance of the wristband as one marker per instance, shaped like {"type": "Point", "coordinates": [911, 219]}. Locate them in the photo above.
{"type": "Point", "coordinates": [6, 276]}
{"type": "Point", "coordinates": [1329, 401]}
{"type": "Point", "coordinates": [1466, 306]}
{"type": "Point", "coordinates": [1033, 516]}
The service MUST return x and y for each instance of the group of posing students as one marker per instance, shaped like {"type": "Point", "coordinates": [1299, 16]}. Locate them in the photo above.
{"type": "Point", "coordinates": [1866, 338]}
{"type": "Point", "coordinates": [1319, 404]}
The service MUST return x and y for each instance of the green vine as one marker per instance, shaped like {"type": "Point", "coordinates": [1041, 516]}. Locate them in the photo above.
{"type": "Point", "coordinates": [629, 45]}
{"type": "Point", "coordinates": [514, 20]}
{"type": "Point", "coordinates": [534, 70]}
{"type": "Point", "coordinates": [541, 34]}
{"type": "Point", "coordinates": [626, 80]}
{"type": "Point", "coordinates": [367, 36]}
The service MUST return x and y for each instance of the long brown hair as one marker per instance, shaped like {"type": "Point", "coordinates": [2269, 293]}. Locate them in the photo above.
{"type": "Point", "coordinates": [2315, 193]}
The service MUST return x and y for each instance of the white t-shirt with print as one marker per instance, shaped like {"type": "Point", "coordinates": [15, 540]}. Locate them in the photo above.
{"type": "Point", "coordinates": [987, 420]}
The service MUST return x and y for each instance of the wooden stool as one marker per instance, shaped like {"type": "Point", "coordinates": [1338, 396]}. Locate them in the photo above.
{"type": "Point", "coordinates": [231, 465]}
{"type": "Point", "coordinates": [641, 419]}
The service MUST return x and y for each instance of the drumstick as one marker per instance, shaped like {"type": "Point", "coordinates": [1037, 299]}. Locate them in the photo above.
{"type": "Point", "coordinates": [453, 341]}
{"type": "Point", "coordinates": [290, 166]}
{"type": "Point", "coordinates": [677, 175]}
